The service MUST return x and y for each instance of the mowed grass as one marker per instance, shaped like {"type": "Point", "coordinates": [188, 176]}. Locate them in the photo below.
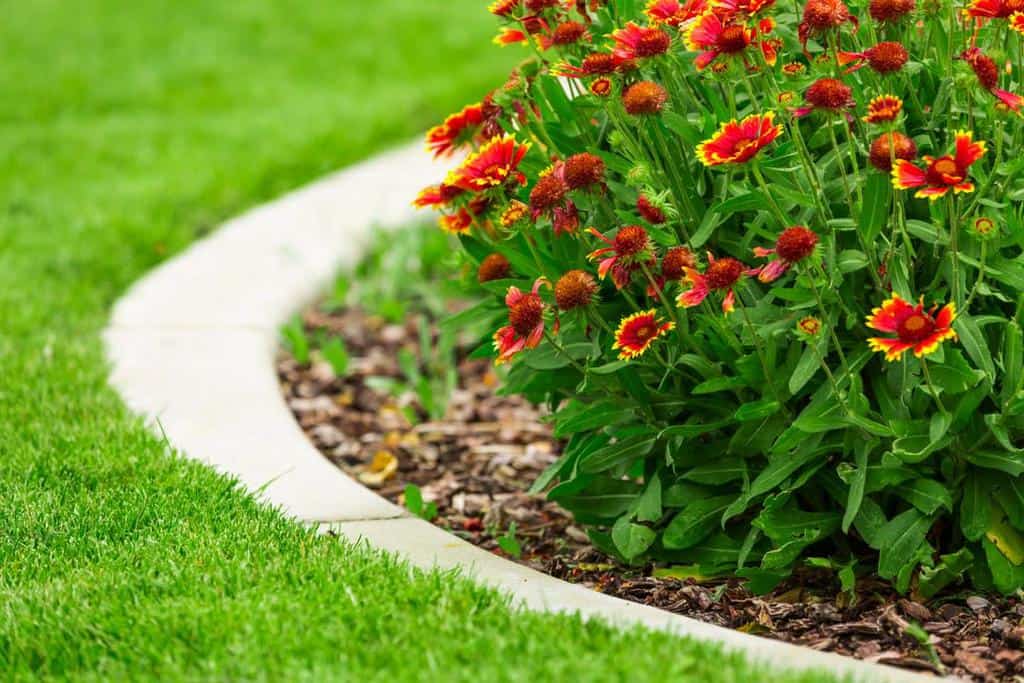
{"type": "Point", "coordinates": [127, 131]}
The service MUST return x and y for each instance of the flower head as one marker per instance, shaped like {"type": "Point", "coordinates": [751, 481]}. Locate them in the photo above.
{"type": "Point", "coordinates": [458, 223]}
{"type": "Point", "coordinates": [513, 213]}
{"type": "Point", "coordinates": [504, 8]}
{"type": "Point", "coordinates": [458, 130]}
{"type": "Point", "coordinates": [673, 12]}
{"type": "Point", "coordinates": [648, 211]}
{"type": "Point", "coordinates": [883, 58]}
{"type": "Point", "coordinates": [575, 289]}
{"type": "Point", "coordinates": [637, 332]}
{"type": "Point", "coordinates": [549, 192]}
{"type": "Point", "coordinates": [644, 98]}
{"type": "Point", "coordinates": [827, 94]}
{"type": "Point", "coordinates": [675, 262]}
{"type": "Point", "coordinates": [890, 147]}
{"type": "Point", "coordinates": [914, 328]}
{"type": "Point", "coordinates": [630, 249]}
{"type": "Point", "coordinates": [808, 328]}
{"type": "Point", "coordinates": [720, 275]}
{"type": "Point", "coordinates": [994, 9]}
{"type": "Point", "coordinates": [584, 170]}
{"type": "Point", "coordinates": [492, 166]}
{"type": "Point", "coordinates": [714, 36]}
{"type": "Point", "coordinates": [985, 69]}
{"type": "Point", "coordinates": [883, 108]}
{"type": "Point", "coordinates": [493, 267]}
{"type": "Point", "coordinates": [637, 42]}
{"type": "Point", "coordinates": [525, 326]}
{"type": "Point", "coordinates": [890, 10]}
{"type": "Point", "coordinates": [984, 228]}
{"type": "Point", "coordinates": [823, 15]}
{"type": "Point", "coordinates": [794, 245]}
{"type": "Point", "coordinates": [510, 36]}
{"type": "Point", "coordinates": [437, 196]}
{"type": "Point", "coordinates": [602, 87]}
{"type": "Point", "coordinates": [737, 142]}
{"type": "Point", "coordinates": [943, 174]}
{"type": "Point", "coordinates": [1017, 22]}
{"type": "Point", "coordinates": [595, 64]}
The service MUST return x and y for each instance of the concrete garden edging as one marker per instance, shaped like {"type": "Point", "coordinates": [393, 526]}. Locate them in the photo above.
{"type": "Point", "coordinates": [192, 349]}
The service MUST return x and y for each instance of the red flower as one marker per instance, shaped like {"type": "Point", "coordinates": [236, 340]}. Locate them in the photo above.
{"type": "Point", "coordinates": [829, 94]}
{"type": "Point", "coordinates": [985, 69]}
{"type": "Point", "coordinates": [645, 98]}
{"type": "Point", "coordinates": [437, 196]}
{"type": "Point", "coordinates": [712, 36]}
{"type": "Point", "coordinates": [510, 36]}
{"type": "Point", "coordinates": [649, 212]}
{"type": "Point", "coordinates": [731, 8]}
{"type": "Point", "coordinates": [890, 10]}
{"type": "Point", "coordinates": [458, 223]}
{"type": "Point", "coordinates": [1017, 22]}
{"type": "Point", "coordinates": [888, 147]}
{"type": "Point", "coordinates": [914, 327]}
{"type": "Point", "coordinates": [595, 64]}
{"type": "Point", "coordinates": [575, 289]}
{"type": "Point", "coordinates": [794, 245]}
{"type": "Point", "coordinates": [946, 173]}
{"type": "Point", "coordinates": [720, 275]}
{"type": "Point", "coordinates": [637, 332]}
{"type": "Point", "coordinates": [883, 108]}
{"type": "Point", "coordinates": [673, 12]}
{"type": "Point", "coordinates": [739, 141]}
{"type": "Point", "coordinates": [492, 166]}
{"type": "Point", "coordinates": [493, 267]}
{"type": "Point", "coordinates": [457, 131]}
{"type": "Point", "coordinates": [504, 8]}
{"type": "Point", "coordinates": [823, 15]}
{"type": "Point", "coordinates": [602, 87]}
{"type": "Point", "coordinates": [584, 170]}
{"type": "Point", "coordinates": [623, 255]}
{"type": "Point", "coordinates": [994, 9]}
{"type": "Point", "coordinates": [525, 326]}
{"type": "Point", "coordinates": [566, 33]}
{"type": "Point", "coordinates": [884, 58]}
{"type": "Point", "coordinates": [637, 42]}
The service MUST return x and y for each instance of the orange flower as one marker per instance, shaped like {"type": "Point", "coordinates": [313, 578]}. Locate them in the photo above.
{"type": "Point", "coordinates": [457, 131]}
{"type": "Point", "coordinates": [458, 223]}
{"type": "Point", "coordinates": [626, 253]}
{"type": "Point", "coordinates": [828, 94]}
{"type": "Point", "coordinates": [739, 141]}
{"type": "Point", "coordinates": [673, 12]}
{"type": "Point", "coordinates": [890, 10]}
{"type": "Point", "coordinates": [492, 166]}
{"type": "Point", "coordinates": [525, 326]}
{"type": "Point", "coordinates": [915, 329]}
{"type": "Point", "coordinates": [712, 36]}
{"type": "Point", "coordinates": [994, 9]}
{"type": "Point", "coordinates": [823, 15]}
{"type": "Point", "coordinates": [883, 108]}
{"type": "Point", "coordinates": [888, 147]}
{"type": "Point", "coordinates": [720, 275]}
{"type": "Point", "coordinates": [594, 64]}
{"type": "Point", "coordinates": [437, 196]}
{"type": "Point", "coordinates": [794, 245]}
{"type": "Point", "coordinates": [1017, 22]}
{"type": "Point", "coordinates": [884, 58]}
{"type": "Point", "coordinates": [636, 42]}
{"type": "Point", "coordinates": [946, 173]}
{"type": "Point", "coordinates": [510, 36]}
{"type": "Point", "coordinates": [503, 8]}
{"type": "Point", "coordinates": [637, 332]}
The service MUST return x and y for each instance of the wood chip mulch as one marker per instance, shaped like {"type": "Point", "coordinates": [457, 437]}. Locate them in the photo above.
{"type": "Point", "coordinates": [477, 464]}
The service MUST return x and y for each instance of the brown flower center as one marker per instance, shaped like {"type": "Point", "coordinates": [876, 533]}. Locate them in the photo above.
{"type": "Point", "coordinates": [829, 93]}
{"type": "Point", "coordinates": [889, 146]}
{"type": "Point", "coordinates": [944, 171]}
{"type": "Point", "coordinates": [796, 244]}
{"type": "Point", "coordinates": [548, 193]}
{"type": "Point", "coordinates": [653, 42]}
{"type": "Point", "coordinates": [915, 328]}
{"type": "Point", "coordinates": [723, 273]}
{"type": "Point", "coordinates": [493, 267]}
{"type": "Point", "coordinates": [568, 33]}
{"type": "Point", "coordinates": [584, 170]}
{"type": "Point", "coordinates": [675, 263]}
{"type": "Point", "coordinates": [574, 289]}
{"type": "Point", "coordinates": [644, 97]}
{"type": "Point", "coordinates": [631, 240]}
{"type": "Point", "coordinates": [599, 63]}
{"type": "Point", "coordinates": [887, 57]}
{"type": "Point", "coordinates": [526, 314]}
{"type": "Point", "coordinates": [732, 40]}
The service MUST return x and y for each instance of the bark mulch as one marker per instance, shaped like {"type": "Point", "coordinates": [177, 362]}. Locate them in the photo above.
{"type": "Point", "coordinates": [477, 464]}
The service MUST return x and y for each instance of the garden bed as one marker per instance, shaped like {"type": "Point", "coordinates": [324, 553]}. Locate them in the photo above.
{"type": "Point", "coordinates": [473, 467]}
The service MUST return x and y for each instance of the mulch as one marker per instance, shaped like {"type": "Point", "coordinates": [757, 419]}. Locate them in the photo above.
{"type": "Point", "coordinates": [478, 463]}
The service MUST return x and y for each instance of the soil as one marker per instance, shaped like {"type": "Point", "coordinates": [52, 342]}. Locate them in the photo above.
{"type": "Point", "coordinates": [476, 466]}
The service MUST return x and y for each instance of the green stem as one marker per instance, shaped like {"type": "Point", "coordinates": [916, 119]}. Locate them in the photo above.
{"type": "Point", "coordinates": [931, 386]}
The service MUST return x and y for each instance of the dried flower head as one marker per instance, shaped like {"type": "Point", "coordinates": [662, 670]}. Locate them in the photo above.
{"type": "Point", "coordinates": [890, 147]}
{"type": "Point", "coordinates": [575, 289]}
{"type": "Point", "coordinates": [890, 10]}
{"type": "Point", "coordinates": [493, 267]}
{"type": "Point", "coordinates": [549, 192]}
{"type": "Point", "coordinates": [676, 261]}
{"type": "Point", "coordinates": [644, 98]}
{"type": "Point", "coordinates": [584, 170]}
{"type": "Point", "coordinates": [648, 211]}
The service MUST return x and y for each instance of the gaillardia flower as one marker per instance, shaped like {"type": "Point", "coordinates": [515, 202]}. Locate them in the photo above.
{"type": "Point", "coordinates": [638, 42]}
{"type": "Point", "coordinates": [595, 64]}
{"type": "Point", "coordinates": [827, 94]}
{"type": "Point", "coordinates": [644, 98]}
{"type": "Point", "coordinates": [437, 196]}
{"type": "Point", "coordinates": [985, 69]}
{"type": "Point", "coordinates": [458, 130]}
{"type": "Point", "coordinates": [794, 245]}
{"type": "Point", "coordinates": [884, 58]}
{"type": "Point", "coordinates": [525, 326]}
{"type": "Point", "coordinates": [720, 275]}
{"type": "Point", "coordinates": [883, 108]}
{"type": "Point", "coordinates": [673, 12]}
{"type": "Point", "coordinates": [823, 15]}
{"type": "Point", "coordinates": [649, 212]}
{"type": "Point", "coordinates": [714, 37]}
{"type": "Point", "coordinates": [458, 223]}
{"type": "Point", "coordinates": [889, 148]}
{"type": "Point", "coordinates": [1017, 22]}
{"type": "Point", "coordinates": [943, 174]}
{"type": "Point", "coordinates": [884, 11]}
{"type": "Point", "coordinates": [492, 166]}
{"type": "Point", "coordinates": [510, 36]}
{"type": "Point", "coordinates": [637, 332]}
{"type": "Point", "coordinates": [994, 9]}
{"type": "Point", "coordinates": [630, 249]}
{"type": "Point", "coordinates": [916, 329]}
{"type": "Point", "coordinates": [737, 142]}
{"type": "Point", "coordinates": [575, 289]}
{"type": "Point", "coordinates": [808, 328]}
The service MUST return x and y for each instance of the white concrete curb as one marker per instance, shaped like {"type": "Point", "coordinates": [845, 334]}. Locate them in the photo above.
{"type": "Point", "coordinates": [192, 348]}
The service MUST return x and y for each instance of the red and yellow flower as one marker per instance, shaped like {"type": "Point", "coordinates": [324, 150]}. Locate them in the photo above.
{"type": "Point", "coordinates": [594, 64]}
{"type": "Point", "coordinates": [994, 9]}
{"type": "Point", "coordinates": [458, 223]}
{"type": "Point", "coordinates": [826, 94]}
{"type": "Point", "coordinates": [525, 326]}
{"type": "Point", "coordinates": [747, 8]}
{"type": "Point", "coordinates": [504, 8]}
{"type": "Point", "coordinates": [673, 12]}
{"type": "Point", "coordinates": [884, 58]}
{"type": "Point", "coordinates": [794, 245]}
{"type": "Point", "coordinates": [883, 108]}
{"type": "Point", "coordinates": [640, 42]}
{"type": "Point", "coordinates": [987, 71]}
{"type": "Point", "coordinates": [437, 196]}
{"type": "Point", "coordinates": [721, 275]}
{"type": "Point", "coordinates": [887, 148]}
{"type": "Point", "coordinates": [458, 130]}
{"type": "Point", "coordinates": [510, 36]}
{"type": "Point", "coordinates": [737, 142]}
{"type": "Point", "coordinates": [820, 16]}
{"type": "Point", "coordinates": [914, 328]}
{"type": "Point", "coordinates": [637, 332]}
{"type": "Point", "coordinates": [714, 36]}
{"type": "Point", "coordinates": [628, 252]}
{"type": "Point", "coordinates": [495, 164]}
{"type": "Point", "coordinates": [943, 174]}
{"type": "Point", "coordinates": [1017, 22]}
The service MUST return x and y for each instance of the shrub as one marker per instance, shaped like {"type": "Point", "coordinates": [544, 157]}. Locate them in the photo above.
{"type": "Point", "coordinates": [764, 266]}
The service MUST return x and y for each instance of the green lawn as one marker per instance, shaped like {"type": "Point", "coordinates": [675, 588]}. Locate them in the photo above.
{"type": "Point", "coordinates": [127, 131]}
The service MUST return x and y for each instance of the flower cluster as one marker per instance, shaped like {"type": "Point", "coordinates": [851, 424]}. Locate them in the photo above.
{"type": "Point", "coordinates": [704, 224]}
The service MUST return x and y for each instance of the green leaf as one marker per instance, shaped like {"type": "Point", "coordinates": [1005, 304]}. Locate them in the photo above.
{"type": "Point", "coordinates": [995, 425]}
{"type": "Point", "coordinates": [974, 343]}
{"type": "Point", "coordinates": [631, 539]}
{"type": "Point", "coordinates": [1009, 541]}
{"type": "Point", "coordinates": [695, 522]}
{"type": "Point", "coordinates": [648, 506]}
{"type": "Point", "coordinates": [901, 540]}
{"type": "Point", "coordinates": [875, 212]}
{"type": "Point", "coordinates": [757, 410]}
{"type": "Point", "coordinates": [805, 369]}
{"type": "Point", "coordinates": [955, 375]}
{"type": "Point", "coordinates": [857, 481]}
{"type": "Point", "coordinates": [578, 416]}
{"type": "Point", "coordinates": [603, 498]}
{"type": "Point", "coordinates": [949, 570]}
{"type": "Point", "coordinates": [777, 471]}
{"type": "Point", "coordinates": [717, 384]}
{"type": "Point", "coordinates": [1013, 359]}
{"type": "Point", "coordinates": [975, 507]}
{"type": "Point", "coordinates": [997, 460]}
{"type": "Point", "coordinates": [927, 495]}
{"type": "Point", "coordinates": [690, 431]}
{"type": "Point", "coordinates": [718, 472]}
{"type": "Point", "coordinates": [1008, 577]}
{"type": "Point", "coordinates": [852, 260]}
{"type": "Point", "coordinates": [618, 453]}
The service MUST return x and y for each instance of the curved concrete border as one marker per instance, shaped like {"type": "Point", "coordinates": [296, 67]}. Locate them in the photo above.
{"type": "Point", "coordinates": [192, 348]}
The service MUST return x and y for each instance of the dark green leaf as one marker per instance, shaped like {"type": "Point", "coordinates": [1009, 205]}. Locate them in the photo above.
{"type": "Point", "coordinates": [695, 522]}
{"type": "Point", "coordinates": [901, 540]}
